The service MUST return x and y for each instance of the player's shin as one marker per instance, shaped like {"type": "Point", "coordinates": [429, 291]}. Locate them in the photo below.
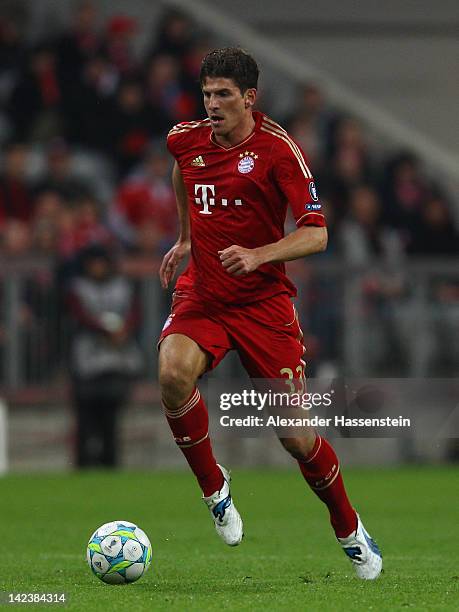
{"type": "Point", "coordinates": [321, 471]}
{"type": "Point", "coordinates": [190, 426]}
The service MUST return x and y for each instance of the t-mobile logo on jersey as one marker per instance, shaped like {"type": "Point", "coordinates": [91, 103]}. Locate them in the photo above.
{"type": "Point", "coordinates": [203, 191]}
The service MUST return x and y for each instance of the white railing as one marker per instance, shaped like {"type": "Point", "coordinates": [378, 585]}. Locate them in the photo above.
{"type": "Point", "coordinates": [353, 328]}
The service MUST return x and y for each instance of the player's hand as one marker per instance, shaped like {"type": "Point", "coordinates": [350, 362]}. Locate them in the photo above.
{"type": "Point", "coordinates": [171, 260]}
{"type": "Point", "coordinates": [239, 261]}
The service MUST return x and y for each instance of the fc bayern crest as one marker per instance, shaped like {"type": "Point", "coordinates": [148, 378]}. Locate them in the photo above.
{"type": "Point", "coordinates": [246, 163]}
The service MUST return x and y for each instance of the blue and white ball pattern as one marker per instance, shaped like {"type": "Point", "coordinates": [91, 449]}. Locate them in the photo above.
{"type": "Point", "coordinates": [119, 552]}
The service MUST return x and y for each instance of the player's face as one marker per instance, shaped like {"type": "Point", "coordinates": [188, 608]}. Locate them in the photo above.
{"type": "Point", "coordinates": [227, 107]}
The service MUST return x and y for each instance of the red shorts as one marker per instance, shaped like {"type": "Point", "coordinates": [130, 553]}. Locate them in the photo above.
{"type": "Point", "coordinates": [266, 334]}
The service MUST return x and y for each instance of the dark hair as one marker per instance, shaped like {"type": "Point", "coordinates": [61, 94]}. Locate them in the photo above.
{"type": "Point", "coordinates": [230, 63]}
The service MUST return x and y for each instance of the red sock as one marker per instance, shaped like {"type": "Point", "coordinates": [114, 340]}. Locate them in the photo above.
{"type": "Point", "coordinates": [190, 425]}
{"type": "Point", "coordinates": [322, 473]}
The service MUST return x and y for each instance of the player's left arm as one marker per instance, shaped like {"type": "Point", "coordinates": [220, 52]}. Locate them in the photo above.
{"type": "Point", "coordinates": [304, 241]}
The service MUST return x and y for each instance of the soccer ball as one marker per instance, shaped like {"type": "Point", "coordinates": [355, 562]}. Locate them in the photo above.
{"type": "Point", "coordinates": [119, 552]}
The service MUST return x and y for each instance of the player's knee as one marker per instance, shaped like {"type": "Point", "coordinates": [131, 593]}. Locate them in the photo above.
{"type": "Point", "coordinates": [176, 381]}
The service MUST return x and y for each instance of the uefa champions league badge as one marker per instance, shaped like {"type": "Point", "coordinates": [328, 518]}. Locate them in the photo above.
{"type": "Point", "coordinates": [313, 191]}
{"type": "Point", "coordinates": [246, 162]}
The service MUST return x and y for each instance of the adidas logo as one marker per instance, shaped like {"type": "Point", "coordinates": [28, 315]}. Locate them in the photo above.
{"type": "Point", "coordinates": [198, 161]}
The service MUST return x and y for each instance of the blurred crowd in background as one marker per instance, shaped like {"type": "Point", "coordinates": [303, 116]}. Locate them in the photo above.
{"type": "Point", "coordinates": [85, 183]}
{"type": "Point", "coordinates": [83, 120]}
{"type": "Point", "coordinates": [83, 126]}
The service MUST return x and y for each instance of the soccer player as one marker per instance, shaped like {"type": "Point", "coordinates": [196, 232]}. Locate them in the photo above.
{"type": "Point", "coordinates": [234, 175]}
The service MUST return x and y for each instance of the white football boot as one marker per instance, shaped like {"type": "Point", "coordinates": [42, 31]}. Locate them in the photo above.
{"type": "Point", "coordinates": [228, 522]}
{"type": "Point", "coordinates": [363, 552]}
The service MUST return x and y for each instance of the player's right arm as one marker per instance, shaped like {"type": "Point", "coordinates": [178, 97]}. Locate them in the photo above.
{"type": "Point", "coordinates": [181, 248]}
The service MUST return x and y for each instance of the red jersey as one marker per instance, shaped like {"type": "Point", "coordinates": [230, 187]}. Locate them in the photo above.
{"type": "Point", "coordinates": [239, 195]}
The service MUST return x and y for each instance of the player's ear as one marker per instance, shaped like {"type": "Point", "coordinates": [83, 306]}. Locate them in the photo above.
{"type": "Point", "coordinates": [249, 97]}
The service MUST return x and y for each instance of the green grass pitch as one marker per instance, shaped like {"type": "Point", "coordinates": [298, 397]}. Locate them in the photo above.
{"type": "Point", "coordinates": [288, 560]}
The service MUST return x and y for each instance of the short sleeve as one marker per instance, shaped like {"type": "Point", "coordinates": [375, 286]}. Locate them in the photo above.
{"type": "Point", "coordinates": [172, 142]}
{"type": "Point", "coordinates": [296, 182]}
{"type": "Point", "coordinates": [176, 140]}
